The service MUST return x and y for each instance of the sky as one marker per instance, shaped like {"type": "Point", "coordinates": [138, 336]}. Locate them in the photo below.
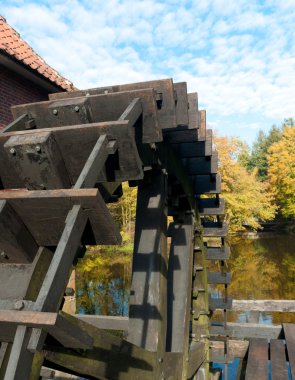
{"type": "Point", "coordinates": [238, 55]}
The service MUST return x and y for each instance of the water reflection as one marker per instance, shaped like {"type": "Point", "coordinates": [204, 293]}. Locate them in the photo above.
{"type": "Point", "coordinates": [103, 282]}
{"type": "Point", "coordinates": [262, 268]}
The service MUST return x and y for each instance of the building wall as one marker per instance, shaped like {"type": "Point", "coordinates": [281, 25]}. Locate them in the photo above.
{"type": "Point", "coordinates": [14, 89]}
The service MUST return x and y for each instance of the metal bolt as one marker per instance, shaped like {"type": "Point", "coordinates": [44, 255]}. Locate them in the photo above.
{"type": "Point", "coordinates": [55, 112]}
{"type": "Point", "coordinates": [12, 151]}
{"type": "Point", "coordinates": [42, 186]}
{"type": "Point", "coordinates": [38, 148]}
{"type": "Point", "coordinates": [3, 255]}
{"type": "Point", "coordinates": [160, 360]}
{"type": "Point", "coordinates": [193, 312]}
{"type": "Point", "coordinates": [192, 335]}
{"type": "Point", "coordinates": [19, 305]}
{"type": "Point", "coordinates": [77, 109]}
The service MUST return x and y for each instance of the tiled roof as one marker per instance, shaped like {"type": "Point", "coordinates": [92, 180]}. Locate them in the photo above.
{"type": "Point", "coordinates": [12, 44]}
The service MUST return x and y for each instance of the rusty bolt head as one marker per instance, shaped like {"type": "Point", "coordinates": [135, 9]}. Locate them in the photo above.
{"type": "Point", "coordinates": [77, 109]}
{"type": "Point", "coordinates": [160, 360]}
{"type": "Point", "coordinates": [19, 305]}
{"type": "Point", "coordinates": [12, 151]}
{"type": "Point", "coordinates": [38, 148]}
{"type": "Point", "coordinates": [55, 112]}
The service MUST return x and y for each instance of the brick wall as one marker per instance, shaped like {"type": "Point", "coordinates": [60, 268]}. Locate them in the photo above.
{"type": "Point", "coordinates": [14, 89]}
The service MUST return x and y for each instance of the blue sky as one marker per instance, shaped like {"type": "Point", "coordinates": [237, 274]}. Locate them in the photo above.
{"type": "Point", "coordinates": [238, 55]}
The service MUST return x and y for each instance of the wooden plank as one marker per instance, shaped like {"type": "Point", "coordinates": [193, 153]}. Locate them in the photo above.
{"type": "Point", "coordinates": [181, 104]}
{"type": "Point", "coordinates": [193, 110]}
{"type": "Point", "coordinates": [75, 144]}
{"type": "Point", "coordinates": [257, 365]}
{"type": "Point", "coordinates": [211, 206]}
{"type": "Point", "coordinates": [219, 278]}
{"type": "Point", "coordinates": [44, 211]}
{"type": "Point", "coordinates": [202, 126]}
{"type": "Point", "coordinates": [49, 297]}
{"type": "Point", "coordinates": [197, 354]}
{"type": "Point", "coordinates": [179, 286]}
{"type": "Point", "coordinates": [220, 303]}
{"type": "Point", "coordinates": [235, 348]}
{"type": "Point", "coordinates": [246, 330]}
{"type": "Point", "coordinates": [180, 135]}
{"type": "Point", "coordinates": [278, 360]}
{"type": "Point", "coordinates": [94, 165]}
{"type": "Point", "coordinates": [37, 161]}
{"type": "Point", "coordinates": [62, 327]}
{"type": "Point", "coordinates": [105, 322]}
{"type": "Point", "coordinates": [17, 244]}
{"type": "Point", "coordinates": [166, 113]}
{"type": "Point", "coordinates": [201, 165]}
{"type": "Point", "coordinates": [193, 149]}
{"type": "Point", "coordinates": [207, 184]}
{"type": "Point", "coordinates": [18, 124]}
{"type": "Point", "coordinates": [217, 253]}
{"type": "Point", "coordinates": [215, 229]}
{"type": "Point", "coordinates": [289, 331]}
{"type": "Point", "coordinates": [147, 310]}
{"type": "Point", "coordinates": [264, 305]}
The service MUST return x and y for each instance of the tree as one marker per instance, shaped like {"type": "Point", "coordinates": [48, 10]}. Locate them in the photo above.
{"type": "Point", "coordinates": [281, 171]}
{"type": "Point", "coordinates": [248, 200]}
{"type": "Point", "coordinates": [258, 157]}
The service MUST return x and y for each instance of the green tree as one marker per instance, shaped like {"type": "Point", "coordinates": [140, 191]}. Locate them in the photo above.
{"type": "Point", "coordinates": [281, 171]}
{"type": "Point", "coordinates": [248, 200]}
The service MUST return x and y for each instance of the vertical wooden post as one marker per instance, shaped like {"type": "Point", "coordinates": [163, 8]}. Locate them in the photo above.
{"type": "Point", "coordinates": [147, 315]}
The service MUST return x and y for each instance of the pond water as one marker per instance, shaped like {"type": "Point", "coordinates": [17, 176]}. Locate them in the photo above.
{"type": "Point", "coordinates": [262, 268]}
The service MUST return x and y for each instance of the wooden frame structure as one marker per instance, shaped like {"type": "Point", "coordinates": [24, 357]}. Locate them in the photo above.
{"type": "Point", "coordinates": [61, 162]}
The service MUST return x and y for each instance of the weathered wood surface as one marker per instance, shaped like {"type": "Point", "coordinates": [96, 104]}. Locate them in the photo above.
{"type": "Point", "coordinates": [217, 253]}
{"type": "Point", "coordinates": [219, 278]}
{"type": "Point", "coordinates": [278, 360]}
{"type": "Point", "coordinates": [75, 144]}
{"type": "Point", "coordinates": [289, 331]}
{"type": "Point", "coordinates": [202, 126]}
{"type": "Point", "coordinates": [257, 364]}
{"type": "Point", "coordinates": [264, 305]}
{"type": "Point", "coordinates": [182, 107]}
{"type": "Point", "coordinates": [37, 161]}
{"type": "Point", "coordinates": [17, 245]}
{"type": "Point", "coordinates": [220, 303]}
{"type": "Point", "coordinates": [147, 311]}
{"type": "Point", "coordinates": [164, 87]}
{"type": "Point", "coordinates": [235, 348]}
{"type": "Point", "coordinates": [211, 206]}
{"type": "Point", "coordinates": [97, 108]}
{"type": "Point", "coordinates": [193, 110]}
{"type": "Point", "coordinates": [60, 326]}
{"type": "Point", "coordinates": [201, 165]}
{"type": "Point", "coordinates": [246, 330]}
{"type": "Point", "coordinates": [27, 341]}
{"type": "Point", "coordinates": [179, 286]}
{"type": "Point", "coordinates": [105, 322]}
{"type": "Point", "coordinates": [197, 355]}
{"type": "Point", "coordinates": [180, 135]}
{"type": "Point", "coordinates": [215, 229]}
{"type": "Point", "coordinates": [207, 184]}
{"type": "Point", "coordinates": [44, 211]}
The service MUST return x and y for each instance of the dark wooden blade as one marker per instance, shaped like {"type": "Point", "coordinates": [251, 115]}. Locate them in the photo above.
{"type": "Point", "coordinates": [219, 278]}
{"type": "Point", "coordinates": [44, 213]}
{"type": "Point", "coordinates": [147, 311]}
{"type": "Point", "coordinates": [179, 286]}
{"type": "Point", "coordinates": [257, 365]}
{"type": "Point", "coordinates": [201, 165]}
{"type": "Point", "coordinates": [207, 184]}
{"type": "Point", "coordinates": [278, 360]}
{"type": "Point", "coordinates": [289, 331]}
{"type": "Point", "coordinates": [217, 253]}
{"type": "Point", "coordinates": [181, 103]}
{"type": "Point", "coordinates": [193, 110]}
{"type": "Point", "coordinates": [211, 206]}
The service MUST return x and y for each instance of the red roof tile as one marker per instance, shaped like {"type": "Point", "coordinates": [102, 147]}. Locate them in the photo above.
{"type": "Point", "coordinates": [12, 44]}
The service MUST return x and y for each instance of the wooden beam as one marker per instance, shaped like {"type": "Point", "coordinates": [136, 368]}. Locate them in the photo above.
{"type": "Point", "coordinates": [215, 229]}
{"type": "Point", "coordinates": [207, 184]}
{"type": "Point", "coordinates": [278, 360]}
{"type": "Point", "coordinates": [257, 364]}
{"type": "Point", "coordinates": [193, 110]}
{"type": "Point", "coordinates": [202, 126]}
{"type": "Point", "coordinates": [61, 326]}
{"type": "Point", "coordinates": [197, 355]}
{"type": "Point", "coordinates": [75, 144]}
{"type": "Point", "coordinates": [105, 322]}
{"type": "Point", "coordinates": [179, 289]}
{"type": "Point", "coordinates": [246, 330]}
{"type": "Point", "coordinates": [264, 305]}
{"type": "Point", "coordinates": [201, 165]}
{"type": "Point", "coordinates": [235, 348]}
{"type": "Point", "coordinates": [147, 310]}
{"type": "Point", "coordinates": [289, 331]}
{"type": "Point", "coordinates": [49, 298]}
{"type": "Point", "coordinates": [211, 206]}
{"type": "Point", "coordinates": [44, 212]}
{"type": "Point", "coordinates": [16, 242]}
{"type": "Point", "coordinates": [182, 103]}
{"type": "Point", "coordinates": [219, 277]}
{"type": "Point", "coordinates": [217, 253]}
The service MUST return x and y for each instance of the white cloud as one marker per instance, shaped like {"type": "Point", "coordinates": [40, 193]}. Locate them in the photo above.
{"type": "Point", "coordinates": [238, 55]}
